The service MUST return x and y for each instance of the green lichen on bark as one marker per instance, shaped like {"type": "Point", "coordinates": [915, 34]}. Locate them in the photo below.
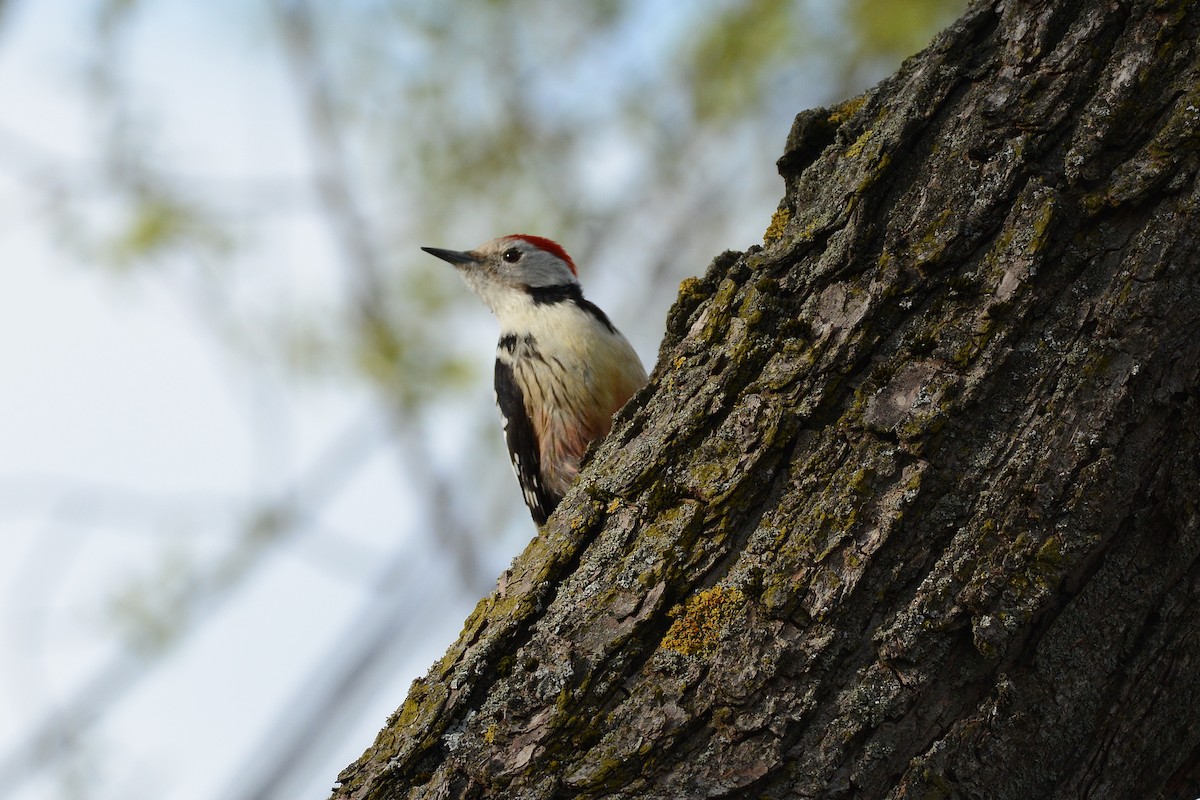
{"type": "Point", "coordinates": [778, 225]}
{"type": "Point", "coordinates": [700, 622]}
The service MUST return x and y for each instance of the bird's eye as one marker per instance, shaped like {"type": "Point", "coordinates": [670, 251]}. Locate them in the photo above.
{"type": "Point", "coordinates": [512, 255]}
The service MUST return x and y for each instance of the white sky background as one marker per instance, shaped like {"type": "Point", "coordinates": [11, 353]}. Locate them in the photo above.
{"type": "Point", "coordinates": [116, 402]}
{"type": "Point", "coordinates": [132, 440]}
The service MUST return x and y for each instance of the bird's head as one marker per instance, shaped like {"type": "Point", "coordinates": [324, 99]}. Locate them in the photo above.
{"type": "Point", "coordinates": [513, 268]}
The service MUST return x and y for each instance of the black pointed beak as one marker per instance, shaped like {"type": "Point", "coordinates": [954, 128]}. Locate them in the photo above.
{"type": "Point", "coordinates": [456, 257]}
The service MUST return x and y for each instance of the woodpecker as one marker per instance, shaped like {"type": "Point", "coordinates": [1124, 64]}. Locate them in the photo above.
{"type": "Point", "coordinates": [562, 367]}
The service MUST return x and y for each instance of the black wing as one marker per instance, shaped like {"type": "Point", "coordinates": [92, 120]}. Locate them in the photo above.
{"type": "Point", "coordinates": [522, 444]}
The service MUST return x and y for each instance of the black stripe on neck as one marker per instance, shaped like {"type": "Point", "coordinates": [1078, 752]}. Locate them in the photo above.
{"type": "Point", "coordinates": [568, 293]}
{"type": "Point", "coordinates": [595, 311]}
{"type": "Point", "coordinates": [547, 295]}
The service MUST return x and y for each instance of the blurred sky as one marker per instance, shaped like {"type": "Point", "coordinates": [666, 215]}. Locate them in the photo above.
{"type": "Point", "coordinates": [123, 422]}
{"type": "Point", "coordinates": [135, 445]}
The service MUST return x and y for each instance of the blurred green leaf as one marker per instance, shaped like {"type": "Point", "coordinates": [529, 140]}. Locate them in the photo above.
{"type": "Point", "coordinates": [158, 226]}
{"type": "Point", "coordinates": [733, 52]}
{"type": "Point", "coordinates": [150, 609]}
{"type": "Point", "coordinates": [895, 29]}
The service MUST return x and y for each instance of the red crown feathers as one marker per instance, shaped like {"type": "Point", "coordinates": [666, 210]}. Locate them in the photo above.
{"type": "Point", "coordinates": [549, 245]}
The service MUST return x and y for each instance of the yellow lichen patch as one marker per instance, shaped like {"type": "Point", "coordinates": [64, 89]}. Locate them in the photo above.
{"type": "Point", "coordinates": [700, 622]}
{"type": "Point", "coordinates": [846, 110]}
{"type": "Point", "coordinates": [856, 149]}
{"type": "Point", "coordinates": [779, 222]}
{"type": "Point", "coordinates": [691, 288]}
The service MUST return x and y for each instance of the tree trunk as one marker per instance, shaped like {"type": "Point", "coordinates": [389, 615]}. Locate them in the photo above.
{"type": "Point", "coordinates": [909, 507]}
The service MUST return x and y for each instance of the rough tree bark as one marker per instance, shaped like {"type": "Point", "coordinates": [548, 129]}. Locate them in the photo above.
{"type": "Point", "coordinates": [909, 508]}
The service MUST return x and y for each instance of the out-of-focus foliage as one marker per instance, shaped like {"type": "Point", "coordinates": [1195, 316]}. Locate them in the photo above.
{"type": "Point", "coordinates": [728, 61]}
{"type": "Point", "coordinates": [888, 31]}
{"type": "Point", "coordinates": [163, 225]}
